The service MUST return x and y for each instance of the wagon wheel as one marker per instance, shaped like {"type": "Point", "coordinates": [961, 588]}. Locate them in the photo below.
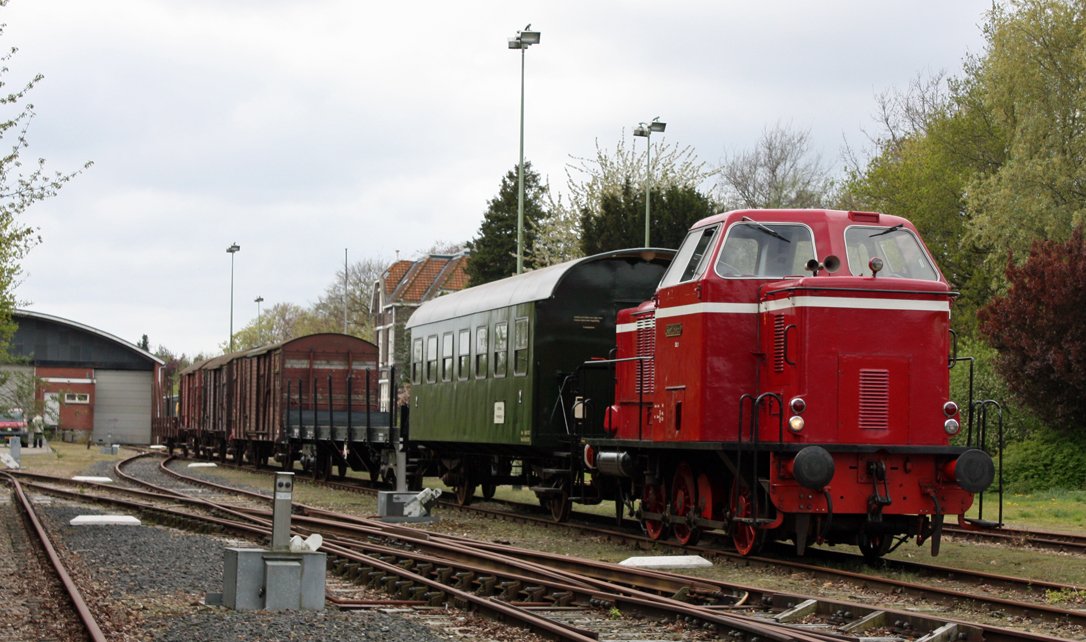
{"type": "Point", "coordinates": [341, 470]}
{"type": "Point", "coordinates": [654, 500]}
{"type": "Point", "coordinates": [684, 504]}
{"type": "Point", "coordinates": [288, 458]}
{"type": "Point", "coordinates": [747, 538]}
{"type": "Point", "coordinates": [874, 545]}
{"type": "Point", "coordinates": [559, 504]}
{"type": "Point", "coordinates": [489, 488]}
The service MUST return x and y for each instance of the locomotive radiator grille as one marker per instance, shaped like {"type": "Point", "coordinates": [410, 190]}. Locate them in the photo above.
{"type": "Point", "coordinates": [646, 347]}
{"type": "Point", "coordinates": [778, 343]}
{"type": "Point", "coordinates": [874, 399]}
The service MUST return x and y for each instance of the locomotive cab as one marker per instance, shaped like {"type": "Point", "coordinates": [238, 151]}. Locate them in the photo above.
{"type": "Point", "coordinates": [798, 367]}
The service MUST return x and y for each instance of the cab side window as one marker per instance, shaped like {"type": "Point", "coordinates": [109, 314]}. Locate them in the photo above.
{"type": "Point", "coordinates": [692, 258]}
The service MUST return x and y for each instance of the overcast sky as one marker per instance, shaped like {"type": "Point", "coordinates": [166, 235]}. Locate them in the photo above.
{"type": "Point", "coordinates": [299, 129]}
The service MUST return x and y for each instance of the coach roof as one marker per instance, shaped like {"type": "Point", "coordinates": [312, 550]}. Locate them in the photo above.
{"type": "Point", "coordinates": [536, 285]}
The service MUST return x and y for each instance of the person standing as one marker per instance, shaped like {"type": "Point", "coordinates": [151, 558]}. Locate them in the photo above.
{"type": "Point", "coordinates": [38, 429]}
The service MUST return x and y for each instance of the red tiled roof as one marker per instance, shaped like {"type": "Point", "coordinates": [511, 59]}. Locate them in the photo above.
{"type": "Point", "coordinates": [422, 280]}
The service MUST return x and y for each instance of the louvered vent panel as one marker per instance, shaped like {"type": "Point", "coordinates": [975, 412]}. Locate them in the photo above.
{"type": "Point", "coordinates": [874, 399]}
{"type": "Point", "coordinates": [778, 343]}
{"type": "Point", "coordinates": [646, 347]}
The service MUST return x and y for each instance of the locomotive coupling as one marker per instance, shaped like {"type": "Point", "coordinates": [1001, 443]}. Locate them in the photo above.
{"type": "Point", "coordinates": [974, 470]}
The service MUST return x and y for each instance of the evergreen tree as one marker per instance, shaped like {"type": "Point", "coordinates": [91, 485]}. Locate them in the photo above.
{"type": "Point", "coordinates": [620, 222]}
{"type": "Point", "coordinates": [494, 249]}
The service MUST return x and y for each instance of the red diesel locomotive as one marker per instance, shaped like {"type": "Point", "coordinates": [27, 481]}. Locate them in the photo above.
{"type": "Point", "coordinates": [790, 379]}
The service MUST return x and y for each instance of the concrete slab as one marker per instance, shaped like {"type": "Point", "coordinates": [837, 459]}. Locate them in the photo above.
{"type": "Point", "coordinates": [92, 478]}
{"type": "Point", "coordinates": [667, 561]}
{"type": "Point", "coordinates": [104, 520]}
{"type": "Point", "coordinates": [203, 464]}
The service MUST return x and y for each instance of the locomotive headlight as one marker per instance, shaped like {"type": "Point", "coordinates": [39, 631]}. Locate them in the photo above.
{"type": "Point", "coordinates": [798, 405]}
{"type": "Point", "coordinates": [796, 424]}
{"type": "Point", "coordinates": [950, 409]}
{"type": "Point", "coordinates": [951, 426]}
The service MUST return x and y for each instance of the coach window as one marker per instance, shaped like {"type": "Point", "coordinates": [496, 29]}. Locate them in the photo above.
{"type": "Point", "coordinates": [482, 348]}
{"type": "Point", "coordinates": [520, 346]}
{"type": "Point", "coordinates": [416, 361]}
{"type": "Point", "coordinates": [692, 257]}
{"type": "Point", "coordinates": [431, 358]}
{"type": "Point", "coordinates": [501, 348]}
{"type": "Point", "coordinates": [464, 354]}
{"type": "Point", "coordinates": [447, 356]}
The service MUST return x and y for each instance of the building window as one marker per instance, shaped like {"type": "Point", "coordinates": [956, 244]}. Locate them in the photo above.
{"type": "Point", "coordinates": [431, 358]}
{"type": "Point", "coordinates": [447, 356]}
{"type": "Point", "coordinates": [416, 361]}
{"type": "Point", "coordinates": [501, 348]}
{"type": "Point", "coordinates": [520, 346]}
{"type": "Point", "coordinates": [464, 361]}
{"type": "Point", "coordinates": [482, 347]}
{"type": "Point", "coordinates": [76, 397]}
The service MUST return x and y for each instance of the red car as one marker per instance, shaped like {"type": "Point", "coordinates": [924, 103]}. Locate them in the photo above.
{"type": "Point", "coordinates": [13, 424]}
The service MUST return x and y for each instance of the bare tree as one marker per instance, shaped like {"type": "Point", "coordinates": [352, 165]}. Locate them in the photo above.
{"type": "Point", "coordinates": [781, 171]}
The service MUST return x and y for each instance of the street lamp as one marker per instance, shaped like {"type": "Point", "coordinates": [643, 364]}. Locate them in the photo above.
{"type": "Point", "coordinates": [646, 130]}
{"type": "Point", "coordinates": [522, 41]}
{"type": "Point", "coordinates": [232, 250]}
{"type": "Point", "coordinates": [258, 300]}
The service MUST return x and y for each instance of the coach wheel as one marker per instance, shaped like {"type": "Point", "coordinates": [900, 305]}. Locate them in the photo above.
{"type": "Point", "coordinates": [654, 500]}
{"type": "Point", "coordinates": [874, 546]}
{"type": "Point", "coordinates": [489, 488]}
{"type": "Point", "coordinates": [465, 489]}
{"type": "Point", "coordinates": [684, 505]}
{"type": "Point", "coordinates": [747, 538]}
{"type": "Point", "coordinates": [559, 504]}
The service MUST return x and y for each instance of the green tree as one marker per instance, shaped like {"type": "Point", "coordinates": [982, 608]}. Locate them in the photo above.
{"type": "Point", "coordinates": [22, 184]}
{"type": "Point", "coordinates": [620, 222]}
{"type": "Point", "coordinates": [494, 248]}
{"type": "Point", "coordinates": [281, 322]}
{"type": "Point", "coordinates": [1031, 85]}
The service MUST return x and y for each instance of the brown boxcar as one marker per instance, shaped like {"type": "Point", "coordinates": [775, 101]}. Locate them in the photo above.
{"type": "Point", "coordinates": [311, 399]}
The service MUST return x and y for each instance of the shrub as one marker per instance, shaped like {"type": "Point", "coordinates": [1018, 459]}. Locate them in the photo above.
{"type": "Point", "coordinates": [1047, 460]}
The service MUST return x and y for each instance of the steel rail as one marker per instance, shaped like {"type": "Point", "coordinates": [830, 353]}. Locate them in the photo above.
{"type": "Point", "coordinates": [94, 632]}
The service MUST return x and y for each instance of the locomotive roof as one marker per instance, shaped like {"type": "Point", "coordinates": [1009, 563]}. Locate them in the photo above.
{"type": "Point", "coordinates": [536, 285]}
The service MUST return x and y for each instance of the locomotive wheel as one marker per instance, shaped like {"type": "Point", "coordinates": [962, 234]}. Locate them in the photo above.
{"type": "Point", "coordinates": [747, 538]}
{"type": "Point", "coordinates": [874, 546]}
{"type": "Point", "coordinates": [654, 500]}
{"type": "Point", "coordinates": [683, 504]}
{"type": "Point", "coordinates": [559, 504]}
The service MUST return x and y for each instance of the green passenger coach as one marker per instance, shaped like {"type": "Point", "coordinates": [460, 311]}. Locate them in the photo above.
{"type": "Point", "coordinates": [489, 365]}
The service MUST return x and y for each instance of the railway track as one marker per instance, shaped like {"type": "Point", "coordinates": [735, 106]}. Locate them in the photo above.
{"type": "Point", "coordinates": [88, 627]}
{"type": "Point", "coordinates": [1061, 542]}
{"type": "Point", "coordinates": [326, 522]}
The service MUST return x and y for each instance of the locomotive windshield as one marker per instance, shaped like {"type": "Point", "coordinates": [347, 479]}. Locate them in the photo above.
{"type": "Point", "coordinates": [902, 255]}
{"type": "Point", "coordinates": [692, 256]}
{"type": "Point", "coordinates": [765, 250]}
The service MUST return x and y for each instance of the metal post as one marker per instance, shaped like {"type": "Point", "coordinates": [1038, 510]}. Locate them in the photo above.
{"type": "Point", "coordinates": [520, 174]}
{"type": "Point", "coordinates": [281, 507]}
{"type": "Point", "coordinates": [648, 184]}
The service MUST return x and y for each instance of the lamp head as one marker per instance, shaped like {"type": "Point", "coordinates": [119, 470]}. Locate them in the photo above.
{"type": "Point", "coordinates": [233, 248]}
{"type": "Point", "coordinates": [656, 125]}
{"type": "Point", "coordinates": [641, 130]}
